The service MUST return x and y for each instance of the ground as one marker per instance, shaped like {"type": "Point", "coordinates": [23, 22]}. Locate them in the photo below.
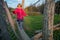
{"type": "Point", "coordinates": [33, 23]}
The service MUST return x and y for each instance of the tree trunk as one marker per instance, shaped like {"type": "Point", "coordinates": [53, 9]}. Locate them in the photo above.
{"type": "Point", "coordinates": [4, 5]}
{"type": "Point", "coordinates": [4, 35]}
{"type": "Point", "coordinates": [48, 20]}
{"type": "Point", "coordinates": [23, 3]}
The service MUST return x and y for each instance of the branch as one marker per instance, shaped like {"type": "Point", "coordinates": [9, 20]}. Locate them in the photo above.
{"type": "Point", "coordinates": [56, 27]}
{"type": "Point", "coordinates": [39, 35]}
{"type": "Point", "coordinates": [36, 37]}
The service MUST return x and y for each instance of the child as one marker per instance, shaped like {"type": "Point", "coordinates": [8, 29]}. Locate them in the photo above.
{"type": "Point", "coordinates": [20, 14]}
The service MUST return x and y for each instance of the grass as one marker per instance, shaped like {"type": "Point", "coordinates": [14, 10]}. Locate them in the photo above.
{"type": "Point", "coordinates": [56, 33]}
{"type": "Point", "coordinates": [33, 23]}
{"type": "Point", "coordinates": [56, 19]}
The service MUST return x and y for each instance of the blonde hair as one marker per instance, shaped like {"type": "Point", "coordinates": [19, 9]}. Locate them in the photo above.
{"type": "Point", "coordinates": [19, 5]}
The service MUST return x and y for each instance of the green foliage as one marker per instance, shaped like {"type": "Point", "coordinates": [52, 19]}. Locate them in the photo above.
{"type": "Point", "coordinates": [56, 35]}
{"type": "Point", "coordinates": [11, 33]}
{"type": "Point", "coordinates": [41, 8]}
{"type": "Point", "coordinates": [33, 13]}
{"type": "Point", "coordinates": [34, 23]}
{"type": "Point", "coordinates": [57, 19]}
{"type": "Point", "coordinates": [11, 9]}
{"type": "Point", "coordinates": [57, 7]}
{"type": "Point", "coordinates": [32, 8]}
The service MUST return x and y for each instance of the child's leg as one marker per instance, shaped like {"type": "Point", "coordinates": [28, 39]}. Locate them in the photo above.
{"type": "Point", "coordinates": [20, 24]}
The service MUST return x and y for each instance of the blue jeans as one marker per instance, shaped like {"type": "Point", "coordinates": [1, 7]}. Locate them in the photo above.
{"type": "Point", "coordinates": [20, 23]}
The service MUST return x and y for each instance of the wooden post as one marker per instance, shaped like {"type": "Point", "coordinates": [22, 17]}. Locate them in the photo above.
{"type": "Point", "coordinates": [48, 20]}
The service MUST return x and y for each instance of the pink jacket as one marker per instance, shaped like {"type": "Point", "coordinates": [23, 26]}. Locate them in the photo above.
{"type": "Point", "coordinates": [20, 13]}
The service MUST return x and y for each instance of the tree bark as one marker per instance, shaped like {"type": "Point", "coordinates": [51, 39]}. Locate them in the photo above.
{"type": "Point", "coordinates": [23, 3]}
{"type": "Point", "coordinates": [4, 5]}
{"type": "Point", "coordinates": [48, 20]}
{"type": "Point", "coordinates": [4, 35]}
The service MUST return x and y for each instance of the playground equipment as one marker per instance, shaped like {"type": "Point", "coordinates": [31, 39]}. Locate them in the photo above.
{"type": "Point", "coordinates": [47, 31]}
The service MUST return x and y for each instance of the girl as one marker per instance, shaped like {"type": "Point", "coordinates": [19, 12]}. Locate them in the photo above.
{"type": "Point", "coordinates": [20, 14]}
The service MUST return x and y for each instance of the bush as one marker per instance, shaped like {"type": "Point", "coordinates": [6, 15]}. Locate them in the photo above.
{"type": "Point", "coordinates": [33, 13]}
